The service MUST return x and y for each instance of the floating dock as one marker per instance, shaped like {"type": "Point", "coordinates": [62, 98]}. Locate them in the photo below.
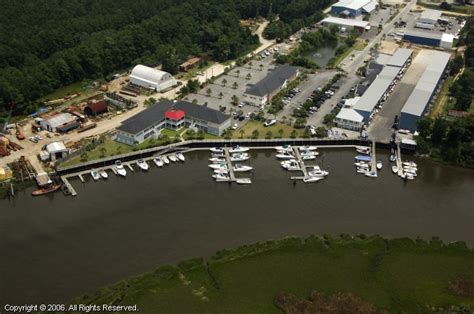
{"type": "Point", "coordinates": [229, 166]}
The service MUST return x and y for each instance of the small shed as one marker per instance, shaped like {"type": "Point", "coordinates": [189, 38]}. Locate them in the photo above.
{"type": "Point", "coordinates": [57, 150]}
{"type": "Point", "coordinates": [189, 64]}
{"type": "Point", "coordinates": [96, 108]}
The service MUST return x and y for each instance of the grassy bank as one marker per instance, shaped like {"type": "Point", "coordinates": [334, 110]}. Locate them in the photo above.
{"type": "Point", "coordinates": [399, 275]}
{"type": "Point", "coordinates": [277, 130]}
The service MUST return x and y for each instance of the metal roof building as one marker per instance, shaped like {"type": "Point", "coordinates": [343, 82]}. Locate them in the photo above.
{"type": "Point", "coordinates": [424, 90]}
{"type": "Point", "coordinates": [345, 22]}
{"type": "Point", "coordinates": [429, 39]}
{"type": "Point", "coordinates": [151, 78]}
{"type": "Point", "coordinates": [429, 17]}
{"type": "Point", "coordinates": [400, 57]}
{"type": "Point", "coordinates": [273, 81]}
{"type": "Point", "coordinates": [353, 7]}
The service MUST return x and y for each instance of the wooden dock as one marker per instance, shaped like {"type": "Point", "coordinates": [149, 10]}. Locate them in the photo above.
{"type": "Point", "coordinates": [229, 165]}
{"type": "Point", "coordinates": [68, 185]}
{"type": "Point", "coordinates": [399, 161]}
{"type": "Point", "coordinates": [373, 159]}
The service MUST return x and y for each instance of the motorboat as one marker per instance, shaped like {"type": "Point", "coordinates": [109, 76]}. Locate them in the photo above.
{"type": "Point", "coordinates": [158, 161]}
{"type": "Point", "coordinates": [45, 190]}
{"type": "Point", "coordinates": [172, 158]}
{"type": "Point", "coordinates": [393, 157]}
{"type": "Point", "coordinates": [409, 164]}
{"type": "Point", "coordinates": [243, 181]}
{"type": "Point", "coordinates": [222, 170]}
{"type": "Point", "coordinates": [363, 150]}
{"type": "Point", "coordinates": [410, 171]}
{"type": "Point", "coordinates": [120, 169]}
{"type": "Point", "coordinates": [395, 169]}
{"type": "Point", "coordinates": [362, 158]}
{"type": "Point", "coordinates": [218, 155]}
{"type": "Point", "coordinates": [311, 179]}
{"type": "Point", "coordinates": [217, 150]}
{"type": "Point", "coordinates": [220, 176]}
{"type": "Point", "coordinates": [379, 164]}
{"type": "Point", "coordinates": [308, 157]}
{"type": "Point", "coordinates": [309, 152]}
{"type": "Point", "coordinates": [218, 166]}
{"type": "Point", "coordinates": [361, 164]}
{"type": "Point", "coordinates": [95, 175]}
{"type": "Point", "coordinates": [317, 172]}
{"type": "Point", "coordinates": [291, 165]}
{"type": "Point", "coordinates": [362, 170]}
{"type": "Point", "coordinates": [371, 174]}
{"type": "Point", "coordinates": [180, 156]}
{"type": "Point", "coordinates": [165, 160]}
{"type": "Point", "coordinates": [283, 148]}
{"type": "Point", "coordinates": [241, 168]}
{"type": "Point", "coordinates": [142, 165]}
{"type": "Point", "coordinates": [216, 159]}
{"type": "Point", "coordinates": [238, 149]}
{"type": "Point", "coordinates": [285, 156]}
{"type": "Point", "coordinates": [307, 148]}
{"type": "Point", "coordinates": [104, 174]}
{"type": "Point", "coordinates": [409, 176]}
{"type": "Point", "coordinates": [239, 157]}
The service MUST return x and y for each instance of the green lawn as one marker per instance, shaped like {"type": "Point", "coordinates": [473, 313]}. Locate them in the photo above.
{"type": "Point", "coordinates": [79, 87]}
{"type": "Point", "coordinates": [442, 103]}
{"type": "Point", "coordinates": [257, 125]}
{"type": "Point", "coordinates": [393, 275]}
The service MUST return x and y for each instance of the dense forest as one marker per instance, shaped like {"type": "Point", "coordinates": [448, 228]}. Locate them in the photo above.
{"type": "Point", "coordinates": [46, 44]}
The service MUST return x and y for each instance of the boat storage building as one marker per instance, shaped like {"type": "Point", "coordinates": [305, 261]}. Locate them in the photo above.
{"type": "Point", "coordinates": [346, 23]}
{"type": "Point", "coordinates": [353, 8]}
{"type": "Point", "coordinates": [442, 40]}
{"type": "Point", "coordinates": [151, 78]}
{"type": "Point", "coordinates": [424, 91]}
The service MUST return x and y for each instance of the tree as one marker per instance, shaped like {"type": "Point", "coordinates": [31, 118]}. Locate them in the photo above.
{"type": "Point", "coordinates": [234, 100]}
{"type": "Point", "coordinates": [224, 82]}
{"type": "Point", "coordinates": [249, 76]}
{"type": "Point", "coordinates": [255, 134]}
{"type": "Point", "coordinates": [280, 132]}
{"type": "Point", "coordinates": [424, 127]}
{"type": "Point", "coordinates": [293, 134]}
{"type": "Point", "coordinates": [241, 131]}
{"type": "Point", "coordinates": [457, 64]}
{"type": "Point", "coordinates": [269, 134]}
{"type": "Point", "coordinates": [208, 92]}
{"type": "Point", "coordinates": [235, 85]}
{"type": "Point", "coordinates": [439, 130]}
{"type": "Point", "coordinates": [321, 132]}
{"type": "Point", "coordinates": [261, 67]}
{"type": "Point", "coordinates": [84, 156]}
{"type": "Point", "coordinates": [237, 72]}
{"type": "Point", "coordinates": [250, 64]}
{"type": "Point", "coordinates": [103, 150]}
{"type": "Point", "coordinates": [221, 95]}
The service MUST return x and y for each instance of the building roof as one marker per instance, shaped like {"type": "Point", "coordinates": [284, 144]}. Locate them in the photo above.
{"type": "Point", "coordinates": [423, 34]}
{"type": "Point", "coordinates": [60, 119]}
{"type": "Point", "coordinates": [369, 7]}
{"type": "Point", "coordinates": [148, 74]}
{"type": "Point", "coordinates": [349, 114]}
{"type": "Point", "coordinates": [156, 113]}
{"type": "Point", "coordinates": [431, 15]}
{"type": "Point", "coordinates": [97, 107]}
{"type": "Point", "coordinates": [273, 81]}
{"type": "Point", "coordinates": [427, 84]}
{"type": "Point", "coordinates": [55, 147]}
{"type": "Point", "coordinates": [350, 102]}
{"type": "Point", "coordinates": [345, 22]}
{"type": "Point", "coordinates": [174, 114]}
{"type": "Point", "coordinates": [447, 38]}
{"type": "Point", "coordinates": [352, 4]}
{"type": "Point", "coordinates": [379, 86]}
{"type": "Point", "coordinates": [400, 57]}
{"type": "Point", "coordinates": [190, 62]}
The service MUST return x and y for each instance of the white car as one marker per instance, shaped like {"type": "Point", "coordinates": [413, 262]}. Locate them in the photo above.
{"type": "Point", "coordinates": [269, 122]}
{"type": "Point", "coordinates": [235, 126]}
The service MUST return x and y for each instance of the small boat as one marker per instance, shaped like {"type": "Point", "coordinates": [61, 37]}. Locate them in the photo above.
{"type": "Point", "coordinates": [158, 162]}
{"type": "Point", "coordinates": [393, 157]}
{"type": "Point", "coordinates": [172, 158]}
{"type": "Point", "coordinates": [285, 156]}
{"type": "Point", "coordinates": [362, 158]}
{"type": "Point", "coordinates": [409, 164]}
{"type": "Point", "coordinates": [50, 189]}
{"type": "Point", "coordinates": [291, 165]}
{"type": "Point", "coordinates": [362, 170]}
{"type": "Point", "coordinates": [371, 174]}
{"type": "Point", "coordinates": [363, 150]}
{"type": "Point", "coordinates": [308, 157]}
{"type": "Point", "coordinates": [395, 169]}
{"type": "Point", "coordinates": [243, 181]}
{"type": "Point", "coordinates": [241, 168]}
{"type": "Point", "coordinates": [238, 149]}
{"type": "Point", "coordinates": [222, 170]}
{"type": "Point", "coordinates": [95, 175]}
{"type": "Point", "coordinates": [411, 172]}
{"type": "Point", "coordinates": [119, 169]}
{"type": "Point", "coordinates": [165, 160]}
{"type": "Point", "coordinates": [309, 152]}
{"type": "Point", "coordinates": [216, 150]}
{"type": "Point", "coordinates": [216, 159]}
{"type": "Point", "coordinates": [307, 148]}
{"type": "Point", "coordinates": [361, 164]}
{"type": "Point", "coordinates": [283, 148]}
{"type": "Point", "coordinates": [317, 172]}
{"type": "Point", "coordinates": [379, 164]}
{"type": "Point", "coordinates": [218, 166]}
{"type": "Point", "coordinates": [104, 174]}
{"type": "Point", "coordinates": [409, 176]}
{"type": "Point", "coordinates": [142, 165]}
{"type": "Point", "coordinates": [180, 156]}
{"type": "Point", "coordinates": [311, 179]}
{"type": "Point", "coordinates": [217, 155]}
{"type": "Point", "coordinates": [220, 176]}
{"type": "Point", "coordinates": [239, 157]}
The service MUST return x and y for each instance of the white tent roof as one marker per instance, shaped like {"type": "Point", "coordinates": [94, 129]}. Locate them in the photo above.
{"type": "Point", "coordinates": [145, 73]}
{"type": "Point", "coordinates": [55, 147]}
{"type": "Point", "coordinates": [349, 114]}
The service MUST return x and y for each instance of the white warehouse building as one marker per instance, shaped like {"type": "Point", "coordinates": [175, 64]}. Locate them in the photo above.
{"type": "Point", "coordinates": [151, 78]}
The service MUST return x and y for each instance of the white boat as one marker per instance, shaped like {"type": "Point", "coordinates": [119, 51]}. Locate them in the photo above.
{"type": "Point", "coordinates": [222, 171]}
{"type": "Point", "coordinates": [285, 156]}
{"type": "Point", "coordinates": [95, 175]}
{"type": "Point", "coordinates": [361, 164]}
{"type": "Point", "coordinates": [180, 156]}
{"type": "Point", "coordinates": [241, 168]}
{"type": "Point", "coordinates": [410, 171]}
{"type": "Point", "coordinates": [220, 176]}
{"type": "Point", "coordinates": [362, 170]}
{"type": "Point", "coordinates": [363, 149]}
{"type": "Point", "coordinates": [142, 165]}
{"type": "Point", "coordinates": [238, 149]}
{"type": "Point", "coordinates": [165, 160]}
{"type": "Point", "coordinates": [309, 152]}
{"type": "Point", "coordinates": [291, 165]}
{"type": "Point", "coordinates": [371, 174]}
{"type": "Point", "coordinates": [158, 162]}
{"type": "Point", "coordinates": [317, 172]}
{"type": "Point", "coordinates": [283, 148]}
{"type": "Point", "coordinates": [217, 155]}
{"type": "Point", "coordinates": [216, 159]}
{"type": "Point", "coordinates": [393, 157]}
{"type": "Point", "coordinates": [243, 181]}
{"type": "Point", "coordinates": [307, 148]}
{"type": "Point", "coordinates": [379, 164]}
{"type": "Point", "coordinates": [409, 164]}
{"type": "Point", "coordinates": [308, 157]}
{"type": "Point", "coordinates": [216, 150]}
{"type": "Point", "coordinates": [239, 157]}
{"type": "Point", "coordinates": [410, 168]}
{"type": "Point", "coordinates": [395, 169]}
{"type": "Point", "coordinates": [409, 176]}
{"type": "Point", "coordinates": [218, 166]}
{"type": "Point", "coordinates": [119, 169]}
{"type": "Point", "coordinates": [311, 179]}
{"type": "Point", "coordinates": [172, 158]}
{"type": "Point", "coordinates": [104, 174]}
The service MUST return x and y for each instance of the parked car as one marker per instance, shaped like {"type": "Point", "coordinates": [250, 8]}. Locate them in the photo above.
{"type": "Point", "coordinates": [269, 122]}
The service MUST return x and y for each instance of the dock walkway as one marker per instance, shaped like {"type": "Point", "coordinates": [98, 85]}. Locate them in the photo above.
{"type": "Point", "coordinates": [229, 165]}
